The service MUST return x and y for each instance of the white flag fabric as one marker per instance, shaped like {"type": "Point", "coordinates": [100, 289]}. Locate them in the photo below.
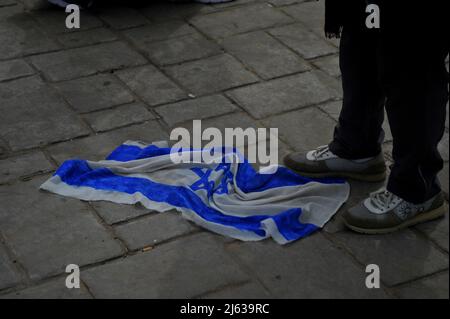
{"type": "Point", "coordinates": [226, 196]}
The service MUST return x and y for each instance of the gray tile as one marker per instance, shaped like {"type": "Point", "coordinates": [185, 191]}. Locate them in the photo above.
{"type": "Point", "coordinates": [151, 85]}
{"type": "Point", "coordinates": [309, 268]}
{"type": "Point", "coordinates": [9, 275]}
{"type": "Point", "coordinates": [121, 17]}
{"type": "Point", "coordinates": [14, 69]}
{"type": "Point", "coordinates": [238, 120]}
{"type": "Point", "coordinates": [306, 43]}
{"type": "Point", "coordinates": [252, 290]}
{"type": "Point", "coordinates": [437, 230]}
{"type": "Point", "coordinates": [44, 117]}
{"type": "Point", "coordinates": [53, 21]}
{"type": "Point", "coordinates": [168, 271]}
{"type": "Point", "coordinates": [53, 289]}
{"type": "Point", "coordinates": [444, 179]}
{"type": "Point", "coordinates": [333, 109]}
{"type": "Point", "coordinates": [120, 116]}
{"type": "Point", "coordinates": [101, 145]}
{"type": "Point", "coordinates": [94, 93]}
{"type": "Point", "coordinates": [444, 148]}
{"type": "Point", "coordinates": [211, 75]}
{"type": "Point", "coordinates": [434, 287]}
{"type": "Point", "coordinates": [303, 130]}
{"type": "Point", "coordinates": [195, 109]}
{"type": "Point", "coordinates": [329, 64]}
{"type": "Point", "coordinates": [142, 36]}
{"type": "Point", "coordinates": [310, 14]}
{"type": "Point", "coordinates": [239, 20]}
{"type": "Point", "coordinates": [264, 55]}
{"type": "Point", "coordinates": [7, 2]}
{"type": "Point", "coordinates": [23, 165]}
{"type": "Point", "coordinates": [114, 213]}
{"type": "Point", "coordinates": [181, 49]}
{"type": "Point", "coordinates": [280, 3]}
{"type": "Point", "coordinates": [401, 256]}
{"type": "Point", "coordinates": [20, 36]}
{"type": "Point", "coordinates": [284, 94]}
{"type": "Point", "coordinates": [47, 232]}
{"type": "Point", "coordinates": [154, 229]}
{"type": "Point", "coordinates": [74, 63]}
{"type": "Point", "coordinates": [85, 38]}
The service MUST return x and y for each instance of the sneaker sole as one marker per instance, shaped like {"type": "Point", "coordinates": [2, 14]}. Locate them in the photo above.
{"type": "Point", "coordinates": [421, 218]}
{"type": "Point", "coordinates": [373, 178]}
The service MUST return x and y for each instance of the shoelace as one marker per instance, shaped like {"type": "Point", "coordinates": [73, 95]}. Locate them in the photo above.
{"type": "Point", "coordinates": [321, 151]}
{"type": "Point", "coordinates": [383, 199]}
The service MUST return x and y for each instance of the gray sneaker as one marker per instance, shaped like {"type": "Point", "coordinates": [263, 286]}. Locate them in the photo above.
{"type": "Point", "coordinates": [323, 163]}
{"type": "Point", "coordinates": [384, 212]}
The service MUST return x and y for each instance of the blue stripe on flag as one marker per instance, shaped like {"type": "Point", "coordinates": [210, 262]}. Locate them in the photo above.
{"type": "Point", "coordinates": [78, 173]}
{"type": "Point", "coordinates": [247, 179]}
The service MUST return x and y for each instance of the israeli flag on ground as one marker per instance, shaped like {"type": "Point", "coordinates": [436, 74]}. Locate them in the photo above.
{"type": "Point", "coordinates": [227, 197]}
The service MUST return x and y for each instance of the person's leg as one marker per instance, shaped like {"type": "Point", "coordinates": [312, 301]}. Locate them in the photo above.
{"type": "Point", "coordinates": [416, 85]}
{"type": "Point", "coordinates": [359, 132]}
{"type": "Point", "coordinates": [355, 151]}
{"type": "Point", "coordinates": [415, 81]}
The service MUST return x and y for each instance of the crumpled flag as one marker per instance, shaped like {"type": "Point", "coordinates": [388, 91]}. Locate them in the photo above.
{"type": "Point", "coordinates": [224, 195]}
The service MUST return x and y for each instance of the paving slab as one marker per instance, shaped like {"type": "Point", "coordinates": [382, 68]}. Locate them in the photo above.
{"type": "Point", "coordinates": [444, 179]}
{"type": "Point", "coordinates": [239, 20]}
{"type": "Point", "coordinates": [9, 275]}
{"type": "Point", "coordinates": [23, 165]}
{"type": "Point", "coordinates": [304, 42]}
{"type": "Point", "coordinates": [437, 230]}
{"type": "Point", "coordinates": [53, 289]}
{"type": "Point", "coordinates": [20, 36]}
{"type": "Point", "coordinates": [168, 271]}
{"type": "Point", "coordinates": [195, 109]}
{"type": "Point", "coordinates": [310, 268]}
{"type": "Point", "coordinates": [252, 290]}
{"type": "Point", "coordinates": [145, 35]}
{"type": "Point", "coordinates": [211, 75]}
{"type": "Point", "coordinates": [86, 38]}
{"type": "Point", "coordinates": [122, 17]}
{"type": "Point", "coordinates": [74, 63]}
{"type": "Point", "coordinates": [265, 55]}
{"type": "Point", "coordinates": [163, 11]}
{"type": "Point", "coordinates": [99, 146]}
{"type": "Point", "coordinates": [118, 117]}
{"type": "Point", "coordinates": [280, 95]}
{"type": "Point", "coordinates": [33, 115]}
{"type": "Point", "coordinates": [310, 14]}
{"type": "Point", "coordinates": [113, 213]}
{"type": "Point", "coordinates": [444, 147]}
{"type": "Point", "coordinates": [402, 256]}
{"type": "Point", "coordinates": [435, 287]}
{"type": "Point", "coordinates": [53, 21]}
{"type": "Point", "coordinates": [153, 229]}
{"type": "Point", "coordinates": [13, 69]}
{"type": "Point", "coordinates": [181, 49]}
{"type": "Point", "coordinates": [329, 64]}
{"type": "Point", "coordinates": [238, 120]}
{"type": "Point", "coordinates": [151, 85]}
{"type": "Point", "coordinates": [48, 232]}
{"type": "Point", "coordinates": [94, 93]}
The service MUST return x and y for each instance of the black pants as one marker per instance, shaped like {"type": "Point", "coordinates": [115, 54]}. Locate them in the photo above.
{"type": "Point", "coordinates": [406, 74]}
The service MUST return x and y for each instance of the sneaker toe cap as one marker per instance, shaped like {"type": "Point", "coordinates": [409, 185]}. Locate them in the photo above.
{"type": "Point", "coordinates": [299, 162]}
{"type": "Point", "coordinates": [360, 217]}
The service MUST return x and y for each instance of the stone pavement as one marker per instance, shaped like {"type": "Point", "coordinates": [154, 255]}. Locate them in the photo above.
{"type": "Point", "coordinates": [136, 73]}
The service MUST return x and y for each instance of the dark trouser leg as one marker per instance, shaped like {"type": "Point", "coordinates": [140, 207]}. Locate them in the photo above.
{"type": "Point", "coordinates": [359, 133]}
{"type": "Point", "coordinates": [416, 86]}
